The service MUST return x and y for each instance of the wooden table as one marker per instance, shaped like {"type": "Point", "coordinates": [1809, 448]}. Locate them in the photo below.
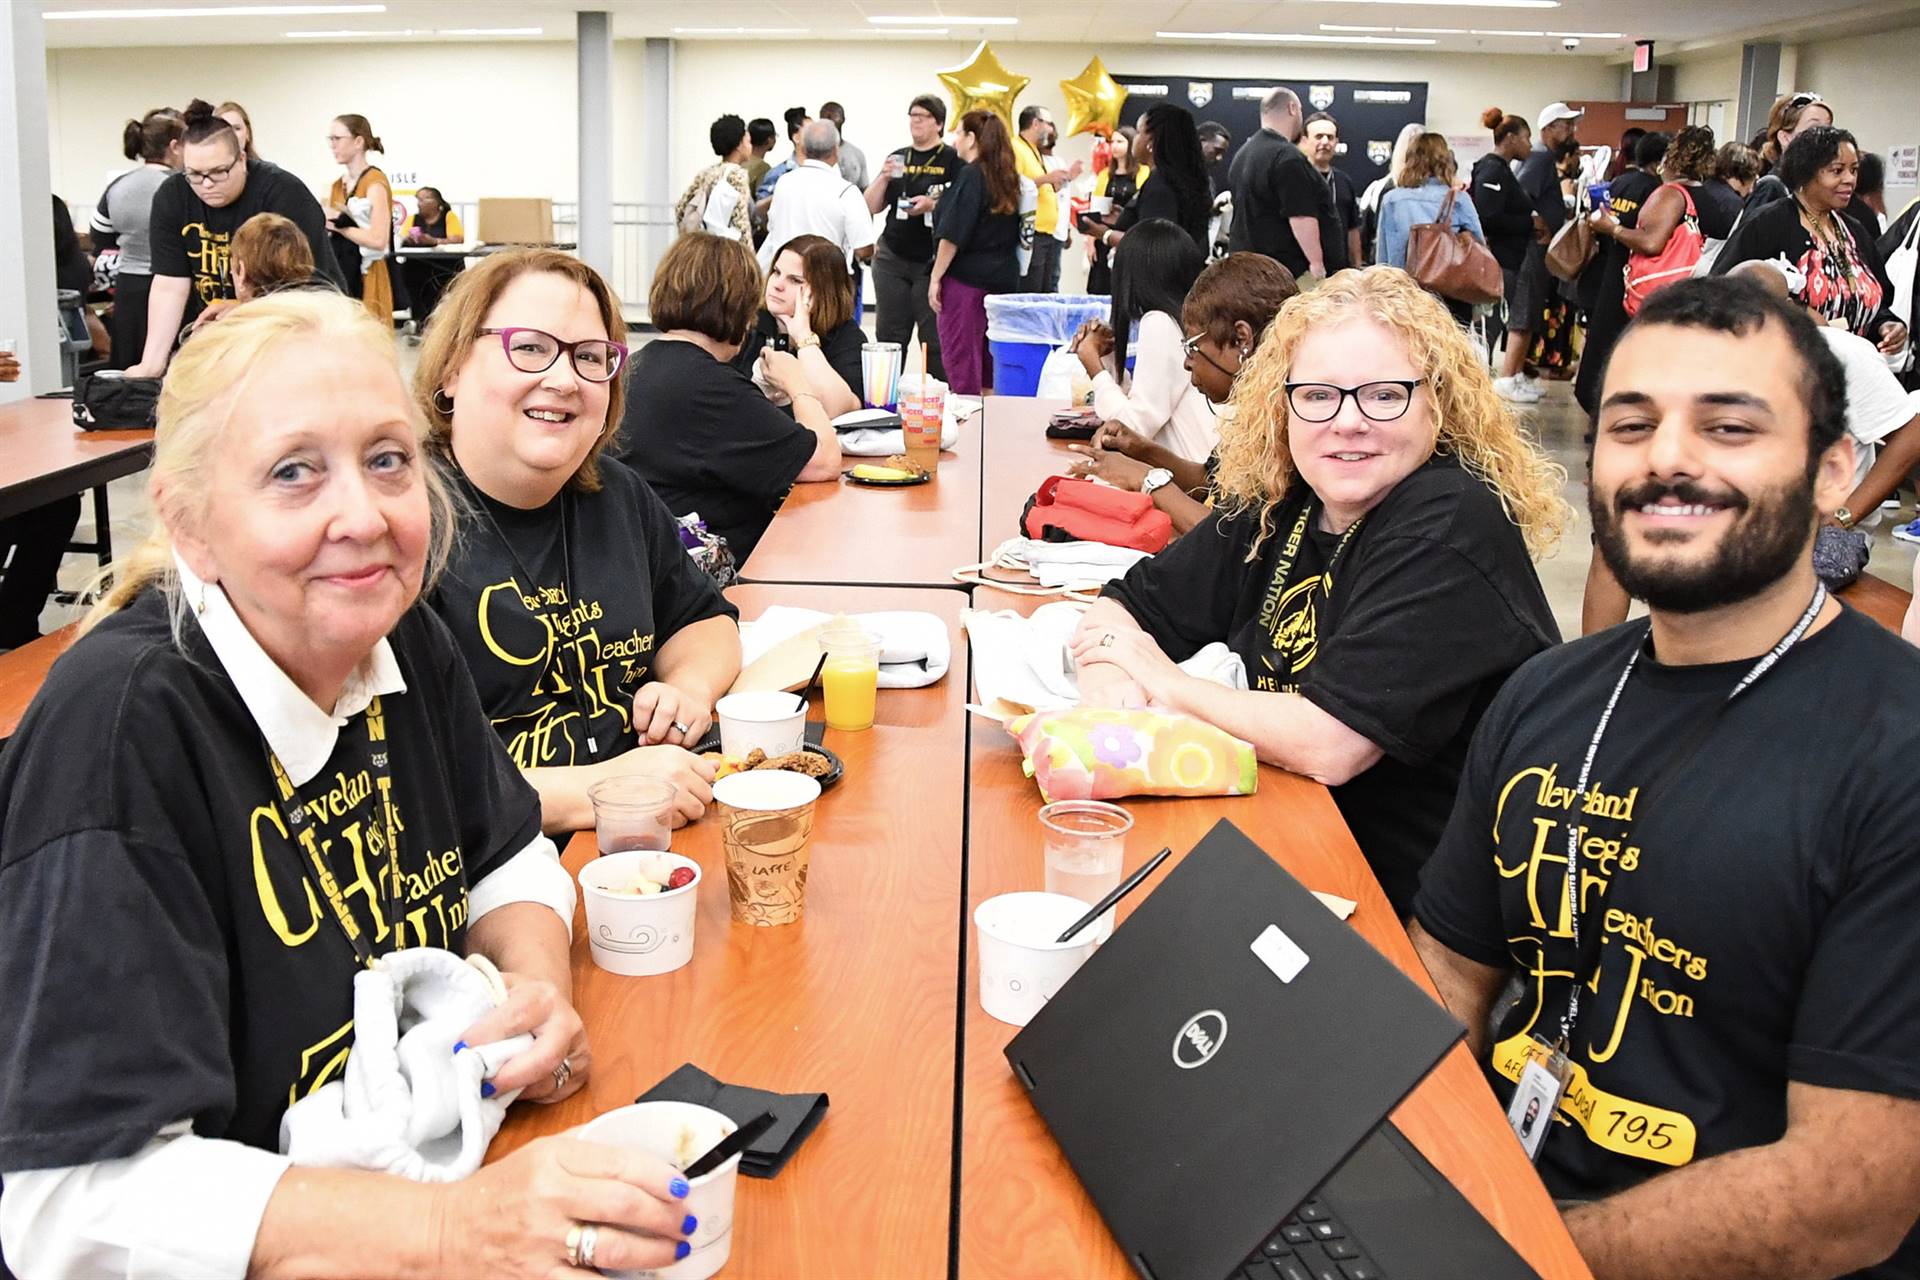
{"type": "Point", "coordinates": [1019, 457]}
{"type": "Point", "coordinates": [23, 671]}
{"type": "Point", "coordinates": [845, 534]}
{"type": "Point", "coordinates": [857, 1000]}
{"type": "Point", "coordinates": [1880, 600]}
{"type": "Point", "coordinates": [1022, 1211]}
{"type": "Point", "coordinates": [43, 456]}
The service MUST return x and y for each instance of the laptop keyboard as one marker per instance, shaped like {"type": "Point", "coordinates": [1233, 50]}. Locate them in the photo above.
{"type": "Point", "coordinates": [1310, 1245]}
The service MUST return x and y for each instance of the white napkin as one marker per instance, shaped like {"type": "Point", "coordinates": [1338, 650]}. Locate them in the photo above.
{"type": "Point", "coordinates": [407, 1103]}
{"type": "Point", "coordinates": [915, 649]}
{"type": "Point", "coordinates": [1024, 662]}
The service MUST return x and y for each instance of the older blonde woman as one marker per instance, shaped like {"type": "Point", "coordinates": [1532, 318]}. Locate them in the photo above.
{"type": "Point", "coordinates": [259, 769]}
{"type": "Point", "coordinates": [1367, 560]}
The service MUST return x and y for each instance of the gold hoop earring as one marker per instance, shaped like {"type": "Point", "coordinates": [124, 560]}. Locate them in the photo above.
{"type": "Point", "coordinates": [439, 394]}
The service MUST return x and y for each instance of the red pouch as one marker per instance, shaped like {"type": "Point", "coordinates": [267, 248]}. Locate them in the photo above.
{"type": "Point", "coordinates": [1071, 510]}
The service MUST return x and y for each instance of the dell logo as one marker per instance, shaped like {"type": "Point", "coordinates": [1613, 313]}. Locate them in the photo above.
{"type": "Point", "coordinates": [1200, 1039]}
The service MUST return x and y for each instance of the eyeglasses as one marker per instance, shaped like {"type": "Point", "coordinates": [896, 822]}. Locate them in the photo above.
{"type": "Point", "coordinates": [1191, 346]}
{"type": "Point", "coordinates": [1382, 401]}
{"type": "Point", "coordinates": [535, 351]}
{"type": "Point", "coordinates": [209, 177]}
{"type": "Point", "coordinates": [919, 115]}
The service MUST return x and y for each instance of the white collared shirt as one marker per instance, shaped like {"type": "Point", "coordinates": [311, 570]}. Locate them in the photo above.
{"type": "Point", "coordinates": [813, 199]}
{"type": "Point", "coordinates": [187, 1206]}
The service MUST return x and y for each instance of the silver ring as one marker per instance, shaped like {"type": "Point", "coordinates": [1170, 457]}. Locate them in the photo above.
{"type": "Point", "coordinates": [574, 1234]}
{"type": "Point", "coordinates": [562, 1074]}
{"type": "Point", "coordinates": [1106, 641]}
{"type": "Point", "coordinates": [589, 1236]}
{"type": "Point", "coordinates": [680, 728]}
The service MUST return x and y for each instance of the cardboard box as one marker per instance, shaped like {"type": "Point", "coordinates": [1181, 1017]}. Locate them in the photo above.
{"type": "Point", "coordinates": [515, 220]}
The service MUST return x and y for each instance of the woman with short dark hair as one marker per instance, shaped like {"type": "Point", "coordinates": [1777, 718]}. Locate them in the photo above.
{"type": "Point", "coordinates": [696, 428]}
{"type": "Point", "coordinates": [702, 207]}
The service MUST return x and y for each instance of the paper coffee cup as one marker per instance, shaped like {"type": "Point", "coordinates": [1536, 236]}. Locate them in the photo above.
{"type": "Point", "coordinates": [1101, 205]}
{"type": "Point", "coordinates": [766, 826]}
{"type": "Point", "coordinates": [1021, 966]}
{"type": "Point", "coordinates": [680, 1132]}
{"type": "Point", "coordinates": [633, 934]}
{"type": "Point", "coordinates": [773, 721]}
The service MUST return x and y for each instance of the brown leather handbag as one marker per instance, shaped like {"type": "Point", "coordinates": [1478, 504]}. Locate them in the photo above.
{"type": "Point", "coordinates": [1452, 263]}
{"type": "Point", "coordinates": [1572, 248]}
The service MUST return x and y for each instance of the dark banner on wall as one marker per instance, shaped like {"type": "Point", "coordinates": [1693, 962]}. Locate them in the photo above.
{"type": "Point", "coordinates": [1371, 112]}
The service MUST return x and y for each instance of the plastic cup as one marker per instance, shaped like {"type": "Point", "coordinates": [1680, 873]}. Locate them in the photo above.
{"type": "Point", "coordinates": [1086, 848]}
{"type": "Point", "coordinates": [637, 934]}
{"type": "Point", "coordinates": [880, 374]}
{"type": "Point", "coordinates": [632, 812]}
{"type": "Point", "coordinates": [921, 420]}
{"type": "Point", "coordinates": [850, 677]}
{"type": "Point", "coordinates": [680, 1132]}
{"type": "Point", "coordinates": [1021, 966]}
{"type": "Point", "coordinates": [9, 346]}
{"type": "Point", "coordinates": [773, 721]}
{"type": "Point", "coordinates": [766, 826]}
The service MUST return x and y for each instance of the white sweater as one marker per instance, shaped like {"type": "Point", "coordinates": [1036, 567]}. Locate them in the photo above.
{"type": "Point", "coordinates": [1160, 401]}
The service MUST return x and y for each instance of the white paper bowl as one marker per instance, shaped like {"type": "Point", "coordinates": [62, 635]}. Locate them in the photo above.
{"type": "Point", "coordinates": [1021, 966]}
{"type": "Point", "coordinates": [773, 721]}
{"type": "Point", "coordinates": [633, 935]}
{"type": "Point", "coordinates": [657, 1127]}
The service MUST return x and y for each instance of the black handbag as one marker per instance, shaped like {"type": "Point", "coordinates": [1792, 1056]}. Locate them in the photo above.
{"type": "Point", "coordinates": [107, 400]}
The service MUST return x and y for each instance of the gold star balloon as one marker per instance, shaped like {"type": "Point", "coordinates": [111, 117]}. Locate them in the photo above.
{"type": "Point", "coordinates": [1093, 101]}
{"type": "Point", "coordinates": [983, 82]}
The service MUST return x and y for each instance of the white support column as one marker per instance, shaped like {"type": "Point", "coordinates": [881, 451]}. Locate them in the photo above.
{"type": "Point", "coordinates": [656, 161]}
{"type": "Point", "coordinates": [594, 37]}
{"type": "Point", "coordinates": [29, 314]}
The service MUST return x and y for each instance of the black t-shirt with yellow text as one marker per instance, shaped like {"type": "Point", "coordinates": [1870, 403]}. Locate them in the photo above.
{"type": "Point", "coordinates": [1425, 612]}
{"type": "Point", "coordinates": [194, 239]}
{"type": "Point", "coordinates": [558, 658]}
{"type": "Point", "coordinates": [163, 955]}
{"type": "Point", "coordinates": [1758, 919]}
{"type": "Point", "coordinates": [928, 172]}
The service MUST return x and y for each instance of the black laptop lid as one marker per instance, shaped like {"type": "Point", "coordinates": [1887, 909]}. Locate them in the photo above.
{"type": "Point", "coordinates": [1201, 1090]}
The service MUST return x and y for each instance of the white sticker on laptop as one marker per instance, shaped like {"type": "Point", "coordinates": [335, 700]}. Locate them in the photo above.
{"type": "Point", "coordinates": [1280, 953]}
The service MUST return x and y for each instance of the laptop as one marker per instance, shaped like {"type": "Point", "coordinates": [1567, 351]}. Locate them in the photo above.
{"type": "Point", "coordinates": [1219, 1075]}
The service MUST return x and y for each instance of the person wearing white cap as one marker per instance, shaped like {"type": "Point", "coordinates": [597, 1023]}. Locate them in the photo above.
{"type": "Point", "coordinates": [1556, 132]}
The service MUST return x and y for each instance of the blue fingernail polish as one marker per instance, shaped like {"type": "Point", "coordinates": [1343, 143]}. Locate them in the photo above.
{"type": "Point", "coordinates": [486, 1089]}
{"type": "Point", "coordinates": [687, 1227]}
{"type": "Point", "coordinates": [681, 1250]}
{"type": "Point", "coordinates": [678, 1188]}
{"type": "Point", "coordinates": [458, 1045]}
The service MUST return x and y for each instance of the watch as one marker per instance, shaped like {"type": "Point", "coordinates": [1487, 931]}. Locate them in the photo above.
{"type": "Point", "coordinates": [1844, 518]}
{"type": "Point", "coordinates": [811, 340]}
{"type": "Point", "coordinates": [1155, 478]}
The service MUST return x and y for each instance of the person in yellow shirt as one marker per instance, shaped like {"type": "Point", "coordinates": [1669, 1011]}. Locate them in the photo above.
{"type": "Point", "coordinates": [1036, 137]}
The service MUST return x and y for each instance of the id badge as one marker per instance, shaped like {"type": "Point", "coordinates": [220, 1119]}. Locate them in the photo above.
{"type": "Point", "coordinates": [1537, 1095]}
{"type": "Point", "coordinates": [903, 208]}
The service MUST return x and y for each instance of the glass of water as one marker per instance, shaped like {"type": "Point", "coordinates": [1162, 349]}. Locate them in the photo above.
{"type": "Point", "coordinates": [1086, 846]}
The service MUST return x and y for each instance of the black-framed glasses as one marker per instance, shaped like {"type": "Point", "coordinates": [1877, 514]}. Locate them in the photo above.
{"type": "Point", "coordinates": [1382, 401]}
{"type": "Point", "coordinates": [535, 350]}
{"type": "Point", "coordinates": [211, 177]}
{"type": "Point", "coordinates": [918, 114]}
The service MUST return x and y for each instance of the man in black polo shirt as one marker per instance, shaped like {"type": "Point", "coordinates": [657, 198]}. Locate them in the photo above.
{"type": "Point", "coordinates": [906, 189]}
{"type": "Point", "coordinates": [1322, 145]}
{"type": "Point", "coordinates": [1281, 207]}
{"type": "Point", "coordinates": [1695, 840]}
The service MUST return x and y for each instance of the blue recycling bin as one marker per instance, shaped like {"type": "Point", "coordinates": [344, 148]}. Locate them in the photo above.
{"type": "Point", "coordinates": [1022, 328]}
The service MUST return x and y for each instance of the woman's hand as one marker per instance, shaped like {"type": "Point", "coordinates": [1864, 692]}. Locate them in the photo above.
{"type": "Point", "coordinates": [1121, 438]}
{"type": "Point", "coordinates": [800, 324]}
{"type": "Point", "coordinates": [9, 367]}
{"type": "Point", "coordinates": [664, 713]}
{"type": "Point", "coordinates": [933, 294]}
{"type": "Point", "coordinates": [1893, 336]}
{"type": "Point", "coordinates": [784, 370]}
{"type": "Point", "coordinates": [1102, 684]}
{"type": "Point", "coordinates": [1133, 652]}
{"type": "Point", "coordinates": [536, 1006]}
{"type": "Point", "coordinates": [1093, 344]}
{"type": "Point", "coordinates": [692, 775]}
{"type": "Point", "coordinates": [1115, 468]}
{"type": "Point", "coordinates": [1603, 222]}
{"type": "Point", "coordinates": [512, 1219]}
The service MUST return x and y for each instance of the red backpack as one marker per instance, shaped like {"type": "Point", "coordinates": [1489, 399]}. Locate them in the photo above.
{"type": "Point", "coordinates": [1648, 275]}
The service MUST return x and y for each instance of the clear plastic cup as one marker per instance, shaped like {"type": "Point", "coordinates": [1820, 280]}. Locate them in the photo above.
{"type": "Point", "coordinates": [850, 676]}
{"type": "Point", "coordinates": [880, 374]}
{"type": "Point", "coordinates": [1086, 852]}
{"type": "Point", "coordinates": [633, 812]}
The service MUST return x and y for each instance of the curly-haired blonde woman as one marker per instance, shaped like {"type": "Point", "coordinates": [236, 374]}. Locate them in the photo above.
{"type": "Point", "coordinates": [1367, 560]}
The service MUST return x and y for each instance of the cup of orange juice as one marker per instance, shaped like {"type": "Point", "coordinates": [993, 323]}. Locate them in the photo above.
{"type": "Point", "coordinates": [851, 675]}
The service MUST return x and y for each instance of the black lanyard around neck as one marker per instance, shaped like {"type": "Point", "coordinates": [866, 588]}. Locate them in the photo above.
{"type": "Point", "coordinates": [318, 868]}
{"type": "Point", "coordinates": [1284, 566]}
{"type": "Point", "coordinates": [1589, 951]}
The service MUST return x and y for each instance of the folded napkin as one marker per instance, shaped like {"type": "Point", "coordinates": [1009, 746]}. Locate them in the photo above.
{"type": "Point", "coordinates": [795, 1115]}
{"type": "Point", "coordinates": [1022, 665]}
{"type": "Point", "coordinates": [915, 649]}
{"type": "Point", "coordinates": [409, 1099]}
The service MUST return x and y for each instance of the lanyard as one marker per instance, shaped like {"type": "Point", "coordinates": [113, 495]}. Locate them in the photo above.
{"type": "Point", "coordinates": [1283, 569]}
{"type": "Point", "coordinates": [316, 866]}
{"type": "Point", "coordinates": [579, 698]}
{"type": "Point", "coordinates": [1590, 964]}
